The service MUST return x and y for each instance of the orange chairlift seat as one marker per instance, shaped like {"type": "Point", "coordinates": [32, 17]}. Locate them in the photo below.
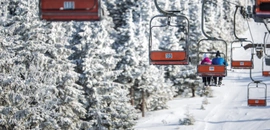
{"type": "Point", "coordinates": [261, 98]}
{"type": "Point", "coordinates": [240, 64]}
{"type": "Point", "coordinates": [67, 10]}
{"type": "Point", "coordinates": [212, 70]}
{"type": "Point", "coordinates": [168, 57]}
{"type": "Point", "coordinates": [262, 8]}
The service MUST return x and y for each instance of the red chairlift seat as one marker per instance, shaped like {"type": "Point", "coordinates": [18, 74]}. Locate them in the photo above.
{"type": "Point", "coordinates": [262, 8]}
{"type": "Point", "coordinates": [67, 10]}
{"type": "Point", "coordinates": [256, 102]}
{"type": "Point", "coordinates": [211, 70]}
{"type": "Point", "coordinates": [168, 58]}
{"type": "Point", "coordinates": [241, 64]}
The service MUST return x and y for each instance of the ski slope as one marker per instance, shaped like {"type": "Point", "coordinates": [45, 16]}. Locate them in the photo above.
{"type": "Point", "coordinates": [227, 109]}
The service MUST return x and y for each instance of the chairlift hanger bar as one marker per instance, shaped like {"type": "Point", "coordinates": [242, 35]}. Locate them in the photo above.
{"type": "Point", "coordinates": [256, 45]}
{"type": "Point", "coordinates": [264, 40]}
{"type": "Point", "coordinates": [202, 25]}
{"type": "Point", "coordinates": [170, 12]}
{"type": "Point", "coordinates": [234, 30]}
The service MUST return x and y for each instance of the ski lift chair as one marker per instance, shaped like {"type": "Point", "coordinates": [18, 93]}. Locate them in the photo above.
{"type": "Point", "coordinates": [255, 100]}
{"type": "Point", "coordinates": [212, 70]}
{"type": "Point", "coordinates": [259, 97]}
{"type": "Point", "coordinates": [168, 57]}
{"type": "Point", "coordinates": [240, 64]}
{"type": "Point", "coordinates": [67, 10]}
{"type": "Point", "coordinates": [265, 62]}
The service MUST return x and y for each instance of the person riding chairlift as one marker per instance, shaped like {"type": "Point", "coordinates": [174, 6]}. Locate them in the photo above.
{"type": "Point", "coordinates": [218, 61]}
{"type": "Point", "coordinates": [206, 61]}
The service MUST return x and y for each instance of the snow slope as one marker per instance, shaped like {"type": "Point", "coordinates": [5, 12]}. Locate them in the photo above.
{"type": "Point", "coordinates": [226, 110]}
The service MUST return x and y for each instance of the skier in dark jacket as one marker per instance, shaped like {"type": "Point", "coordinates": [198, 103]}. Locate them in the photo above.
{"type": "Point", "coordinates": [218, 61]}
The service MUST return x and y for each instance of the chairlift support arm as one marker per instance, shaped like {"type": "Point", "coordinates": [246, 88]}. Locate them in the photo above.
{"type": "Point", "coordinates": [202, 20]}
{"type": "Point", "coordinates": [171, 12]}
{"type": "Point", "coordinates": [234, 23]}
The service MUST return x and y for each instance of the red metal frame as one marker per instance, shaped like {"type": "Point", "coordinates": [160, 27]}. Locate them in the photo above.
{"type": "Point", "coordinates": [66, 10]}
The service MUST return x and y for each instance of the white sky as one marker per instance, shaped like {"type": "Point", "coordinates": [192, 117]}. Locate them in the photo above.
{"type": "Point", "coordinates": [227, 109]}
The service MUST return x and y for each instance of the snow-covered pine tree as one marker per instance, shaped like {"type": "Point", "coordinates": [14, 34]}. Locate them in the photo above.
{"type": "Point", "coordinates": [132, 43]}
{"type": "Point", "coordinates": [52, 77]}
{"type": "Point", "coordinates": [106, 102]}
{"type": "Point", "coordinates": [38, 87]}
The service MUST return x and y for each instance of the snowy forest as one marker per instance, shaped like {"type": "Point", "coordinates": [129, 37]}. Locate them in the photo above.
{"type": "Point", "coordinates": [92, 75]}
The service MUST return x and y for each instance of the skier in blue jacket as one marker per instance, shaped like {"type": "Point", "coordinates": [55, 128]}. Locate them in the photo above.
{"type": "Point", "coordinates": [218, 61]}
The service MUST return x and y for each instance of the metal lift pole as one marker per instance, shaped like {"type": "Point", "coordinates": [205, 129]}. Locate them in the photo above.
{"type": "Point", "coordinates": [202, 20]}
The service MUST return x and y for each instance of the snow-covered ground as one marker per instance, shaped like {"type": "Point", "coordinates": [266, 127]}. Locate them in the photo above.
{"type": "Point", "coordinates": [227, 109]}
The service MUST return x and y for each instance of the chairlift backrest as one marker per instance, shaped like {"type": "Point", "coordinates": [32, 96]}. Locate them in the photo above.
{"type": "Point", "coordinates": [267, 61]}
{"type": "Point", "coordinates": [67, 10]}
{"type": "Point", "coordinates": [262, 8]}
